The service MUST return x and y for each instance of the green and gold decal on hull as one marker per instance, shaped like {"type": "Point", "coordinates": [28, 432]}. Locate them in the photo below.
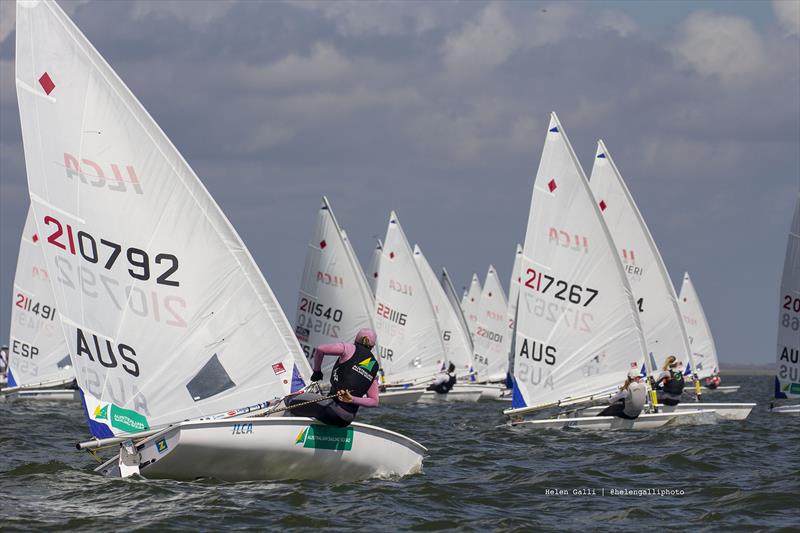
{"type": "Point", "coordinates": [326, 438]}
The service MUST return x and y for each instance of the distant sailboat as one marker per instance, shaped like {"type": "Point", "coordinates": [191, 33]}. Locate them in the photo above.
{"type": "Point", "coordinates": [663, 325]}
{"type": "Point", "coordinates": [787, 379]}
{"type": "Point", "coordinates": [578, 331]}
{"type": "Point", "coordinates": [176, 336]}
{"type": "Point", "coordinates": [39, 363]}
{"type": "Point", "coordinates": [457, 345]}
{"type": "Point", "coordinates": [491, 350]}
{"type": "Point", "coordinates": [513, 301]}
{"type": "Point", "coordinates": [409, 340]}
{"type": "Point", "coordinates": [334, 301]}
{"type": "Point", "coordinates": [700, 337]}
{"type": "Point", "coordinates": [373, 266]}
{"type": "Point", "coordinates": [469, 305]}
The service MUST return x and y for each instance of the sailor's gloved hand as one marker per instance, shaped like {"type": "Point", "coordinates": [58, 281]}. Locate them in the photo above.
{"type": "Point", "coordinates": [317, 375]}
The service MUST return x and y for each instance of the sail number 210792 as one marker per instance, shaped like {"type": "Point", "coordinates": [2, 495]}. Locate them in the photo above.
{"type": "Point", "coordinates": [93, 250]}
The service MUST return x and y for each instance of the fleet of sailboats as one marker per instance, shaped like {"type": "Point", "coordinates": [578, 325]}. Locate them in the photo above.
{"type": "Point", "coordinates": [168, 334]}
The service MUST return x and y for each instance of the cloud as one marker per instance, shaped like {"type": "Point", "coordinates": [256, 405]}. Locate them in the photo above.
{"type": "Point", "coordinates": [199, 14]}
{"type": "Point", "coordinates": [357, 18]}
{"type": "Point", "coordinates": [620, 23]}
{"type": "Point", "coordinates": [482, 44]}
{"type": "Point", "coordinates": [323, 65]}
{"type": "Point", "coordinates": [788, 15]}
{"type": "Point", "coordinates": [724, 46]}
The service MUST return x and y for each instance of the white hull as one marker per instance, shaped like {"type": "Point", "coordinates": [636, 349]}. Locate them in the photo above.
{"type": "Point", "coordinates": [489, 391]}
{"type": "Point", "coordinates": [786, 410]}
{"type": "Point", "coordinates": [455, 395]}
{"type": "Point", "coordinates": [241, 449]}
{"type": "Point", "coordinates": [726, 411]}
{"type": "Point", "coordinates": [400, 397]}
{"type": "Point", "coordinates": [606, 423]}
{"type": "Point", "coordinates": [726, 389]}
{"type": "Point", "coordinates": [45, 395]}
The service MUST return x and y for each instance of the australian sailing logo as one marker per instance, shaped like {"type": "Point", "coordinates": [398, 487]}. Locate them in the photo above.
{"type": "Point", "coordinates": [365, 367]}
{"type": "Point", "coordinates": [123, 419]}
{"type": "Point", "coordinates": [326, 438]}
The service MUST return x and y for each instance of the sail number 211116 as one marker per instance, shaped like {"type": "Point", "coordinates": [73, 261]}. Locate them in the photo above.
{"type": "Point", "coordinates": [568, 292]}
{"type": "Point", "coordinates": [83, 244]}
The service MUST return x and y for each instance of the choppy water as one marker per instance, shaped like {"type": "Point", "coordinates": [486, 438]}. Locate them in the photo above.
{"type": "Point", "coordinates": [742, 475]}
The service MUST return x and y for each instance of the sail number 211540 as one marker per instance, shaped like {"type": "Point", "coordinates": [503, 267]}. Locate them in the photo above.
{"type": "Point", "coordinates": [90, 249]}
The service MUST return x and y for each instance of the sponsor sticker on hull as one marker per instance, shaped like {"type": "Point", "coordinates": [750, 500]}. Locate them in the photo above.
{"type": "Point", "coordinates": [326, 438]}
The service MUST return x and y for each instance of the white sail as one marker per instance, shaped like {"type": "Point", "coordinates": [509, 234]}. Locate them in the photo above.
{"type": "Point", "coordinates": [577, 329]}
{"type": "Point", "coordinates": [704, 351]}
{"type": "Point", "coordinates": [655, 298]}
{"type": "Point", "coordinates": [166, 314]}
{"type": "Point", "coordinates": [334, 301]}
{"type": "Point", "coordinates": [491, 349]}
{"type": "Point", "coordinates": [452, 297]}
{"type": "Point", "coordinates": [787, 380]}
{"type": "Point", "coordinates": [373, 266]}
{"type": "Point", "coordinates": [469, 305]}
{"type": "Point", "coordinates": [513, 299]}
{"type": "Point", "coordinates": [37, 349]}
{"type": "Point", "coordinates": [409, 341]}
{"type": "Point", "coordinates": [457, 345]}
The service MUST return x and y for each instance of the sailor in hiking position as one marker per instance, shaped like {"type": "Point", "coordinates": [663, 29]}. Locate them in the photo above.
{"type": "Point", "coordinates": [670, 382]}
{"type": "Point", "coordinates": [629, 401]}
{"type": "Point", "coordinates": [354, 382]}
{"type": "Point", "coordinates": [444, 381]}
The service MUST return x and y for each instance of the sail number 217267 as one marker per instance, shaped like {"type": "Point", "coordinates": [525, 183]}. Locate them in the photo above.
{"type": "Point", "coordinates": [563, 290]}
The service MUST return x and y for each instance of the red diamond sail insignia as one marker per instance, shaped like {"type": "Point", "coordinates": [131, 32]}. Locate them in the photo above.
{"type": "Point", "coordinates": [602, 205]}
{"type": "Point", "coordinates": [35, 237]}
{"type": "Point", "coordinates": [323, 244]}
{"type": "Point", "coordinates": [391, 255]}
{"type": "Point", "coordinates": [46, 83]}
{"type": "Point", "coordinates": [552, 185]}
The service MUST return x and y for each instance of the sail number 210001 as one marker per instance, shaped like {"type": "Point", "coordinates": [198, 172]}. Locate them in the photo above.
{"type": "Point", "coordinates": [563, 290]}
{"type": "Point", "coordinates": [91, 250]}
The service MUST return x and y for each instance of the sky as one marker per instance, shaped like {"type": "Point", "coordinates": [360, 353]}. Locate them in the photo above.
{"type": "Point", "coordinates": [439, 110]}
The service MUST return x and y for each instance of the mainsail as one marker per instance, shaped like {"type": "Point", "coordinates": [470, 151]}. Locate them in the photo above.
{"type": "Point", "coordinates": [662, 325]}
{"type": "Point", "coordinates": [704, 350]}
{"type": "Point", "coordinates": [513, 299]}
{"type": "Point", "coordinates": [457, 346]}
{"type": "Point", "coordinates": [787, 380]}
{"type": "Point", "coordinates": [166, 314]}
{"type": "Point", "coordinates": [469, 305]}
{"type": "Point", "coordinates": [334, 301]}
{"type": "Point", "coordinates": [491, 350]}
{"type": "Point", "coordinates": [578, 331]}
{"type": "Point", "coordinates": [373, 265]}
{"type": "Point", "coordinates": [409, 340]}
{"type": "Point", "coordinates": [37, 349]}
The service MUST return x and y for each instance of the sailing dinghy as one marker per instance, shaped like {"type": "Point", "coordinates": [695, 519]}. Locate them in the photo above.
{"type": "Point", "coordinates": [174, 334]}
{"type": "Point", "coordinates": [663, 325]}
{"type": "Point", "coordinates": [469, 305]}
{"type": "Point", "coordinates": [700, 338]}
{"type": "Point", "coordinates": [39, 364]}
{"type": "Point", "coordinates": [578, 330]}
{"type": "Point", "coordinates": [410, 341]}
{"type": "Point", "coordinates": [787, 379]}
